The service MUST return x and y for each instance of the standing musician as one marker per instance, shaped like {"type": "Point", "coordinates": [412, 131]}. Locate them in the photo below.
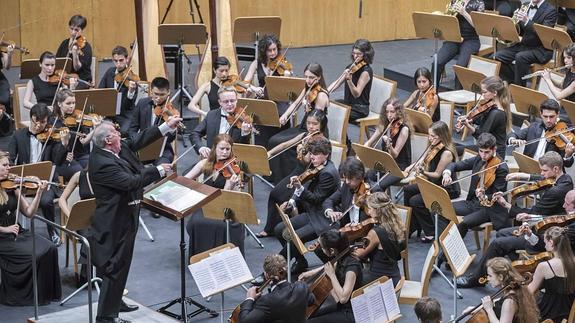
{"type": "Point", "coordinates": [117, 77]}
{"type": "Point", "coordinates": [470, 44]}
{"type": "Point", "coordinates": [544, 128]}
{"type": "Point", "coordinates": [220, 171]}
{"type": "Point", "coordinates": [516, 304]}
{"type": "Point", "coordinates": [550, 202]}
{"type": "Point", "coordinates": [490, 115]}
{"type": "Point", "coordinates": [345, 277]}
{"type": "Point", "coordinates": [439, 153]}
{"type": "Point", "coordinates": [358, 77]}
{"type": "Point", "coordinates": [118, 178]}
{"type": "Point", "coordinates": [148, 113]}
{"type": "Point", "coordinates": [530, 49]}
{"type": "Point", "coordinates": [394, 133]}
{"type": "Point", "coordinates": [386, 240]}
{"type": "Point", "coordinates": [555, 276]}
{"type": "Point", "coordinates": [221, 71]}
{"type": "Point", "coordinates": [44, 85]}
{"type": "Point", "coordinates": [424, 98]}
{"type": "Point", "coordinates": [475, 209]}
{"type": "Point", "coordinates": [16, 288]}
{"type": "Point", "coordinates": [309, 221]}
{"type": "Point", "coordinates": [314, 97]}
{"type": "Point", "coordinates": [78, 49]}
{"type": "Point", "coordinates": [26, 148]}
{"type": "Point", "coordinates": [220, 121]}
{"type": "Point", "coordinates": [286, 302]}
{"type": "Point", "coordinates": [5, 63]}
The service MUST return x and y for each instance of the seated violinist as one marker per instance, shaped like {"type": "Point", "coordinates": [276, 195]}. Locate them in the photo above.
{"type": "Point", "coordinates": [555, 185]}
{"type": "Point", "coordinates": [148, 113]}
{"type": "Point", "coordinates": [424, 98]}
{"type": "Point", "coordinates": [26, 148]}
{"type": "Point", "coordinates": [225, 119]}
{"type": "Point", "coordinates": [386, 239]}
{"type": "Point", "coordinates": [126, 86]}
{"type": "Point", "coordinates": [488, 178]}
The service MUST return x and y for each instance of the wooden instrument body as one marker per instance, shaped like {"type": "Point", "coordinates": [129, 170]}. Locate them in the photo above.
{"type": "Point", "coordinates": [320, 288]}
{"type": "Point", "coordinates": [479, 317]}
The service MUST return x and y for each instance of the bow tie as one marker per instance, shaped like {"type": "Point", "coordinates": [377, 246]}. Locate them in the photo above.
{"type": "Point", "coordinates": [533, 7]}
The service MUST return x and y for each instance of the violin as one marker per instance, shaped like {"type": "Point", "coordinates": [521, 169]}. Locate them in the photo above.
{"type": "Point", "coordinates": [542, 225]}
{"type": "Point", "coordinates": [301, 149]}
{"type": "Point", "coordinates": [58, 75]}
{"type": "Point", "coordinates": [125, 76]}
{"type": "Point", "coordinates": [237, 119]}
{"type": "Point", "coordinates": [307, 175]}
{"type": "Point", "coordinates": [88, 120]}
{"type": "Point", "coordinates": [54, 134]}
{"type": "Point", "coordinates": [429, 97]}
{"type": "Point", "coordinates": [166, 112]}
{"type": "Point", "coordinates": [356, 66]}
{"type": "Point", "coordinates": [529, 265]}
{"type": "Point", "coordinates": [560, 135]}
{"type": "Point", "coordinates": [240, 85]}
{"type": "Point", "coordinates": [426, 157]}
{"type": "Point", "coordinates": [280, 65]}
{"type": "Point", "coordinates": [489, 174]}
{"type": "Point", "coordinates": [79, 42]}
{"type": "Point", "coordinates": [228, 168]}
{"type": "Point", "coordinates": [14, 181]}
{"type": "Point", "coordinates": [352, 232]}
{"type": "Point", "coordinates": [6, 43]}
{"type": "Point", "coordinates": [529, 188]}
{"type": "Point", "coordinates": [482, 106]}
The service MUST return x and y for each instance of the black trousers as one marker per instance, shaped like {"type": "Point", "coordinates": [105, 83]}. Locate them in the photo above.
{"type": "Point", "coordinates": [523, 56]}
{"type": "Point", "coordinates": [303, 229]}
{"type": "Point", "coordinates": [449, 50]}
{"type": "Point", "coordinates": [474, 215]}
{"type": "Point", "coordinates": [279, 194]}
{"type": "Point", "coordinates": [47, 206]}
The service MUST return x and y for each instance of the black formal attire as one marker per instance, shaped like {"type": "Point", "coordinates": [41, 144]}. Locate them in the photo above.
{"type": "Point", "coordinates": [206, 234]}
{"type": "Point", "coordinates": [286, 303]}
{"type": "Point", "coordinates": [505, 243]}
{"type": "Point", "coordinates": [267, 132]}
{"type": "Point", "coordinates": [279, 194]}
{"type": "Point", "coordinates": [473, 213]}
{"type": "Point", "coordinates": [498, 305]}
{"type": "Point", "coordinates": [142, 119]}
{"type": "Point", "coordinates": [340, 201]}
{"type": "Point", "coordinates": [529, 50]}
{"type": "Point", "coordinates": [414, 105]}
{"type": "Point", "coordinates": [469, 46]}
{"type": "Point", "coordinates": [569, 78]}
{"type": "Point", "coordinates": [117, 182]}
{"type": "Point", "coordinates": [383, 262]}
{"type": "Point", "coordinates": [403, 160]}
{"type": "Point", "coordinates": [19, 148]}
{"type": "Point", "coordinates": [504, 7]}
{"type": "Point", "coordinates": [210, 128]}
{"type": "Point", "coordinates": [213, 97]}
{"type": "Point", "coordinates": [493, 122]}
{"type": "Point", "coordinates": [556, 301]}
{"type": "Point", "coordinates": [359, 105]}
{"type": "Point", "coordinates": [85, 72]}
{"type": "Point", "coordinates": [311, 222]}
{"type": "Point", "coordinates": [81, 153]}
{"type": "Point", "coordinates": [566, 16]}
{"type": "Point", "coordinates": [16, 286]}
{"type": "Point", "coordinates": [535, 131]}
{"type": "Point", "coordinates": [44, 91]}
{"type": "Point", "coordinates": [5, 124]}
{"type": "Point", "coordinates": [127, 105]}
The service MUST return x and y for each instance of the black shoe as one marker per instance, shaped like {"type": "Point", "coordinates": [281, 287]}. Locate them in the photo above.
{"type": "Point", "coordinates": [258, 281]}
{"type": "Point", "coordinates": [298, 266]}
{"type": "Point", "coordinates": [156, 215]}
{"type": "Point", "coordinates": [468, 282]}
{"type": "Point", "coordinates": [111, 320]}
{"type": "Point", "coordinates": [127, 307]}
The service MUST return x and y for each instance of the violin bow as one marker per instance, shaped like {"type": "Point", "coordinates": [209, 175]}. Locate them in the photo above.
{"type": "Point", "coordinates": [47, 138]}
{"type": "Point", "coordinates": [478, 172]}
{"type": "Point", "coordinates": [294, 144]}
{"type": "Point", "coordinates": [239, 115]}
{"type": "Point", "coordinates": [300, 102]}
{"type": "Point", "coordinates": [570, 129]}
{"type": "Point", "coordinates": [79, 126]}
{"type": "Point", "coordinates": [19, 197]}
{"type": "Point", "coordinates": [60, 80]}
{"type": "Point", "coordinates": [383, 133]}
{"type": "Point", "coordinates": [215, 173]}
{"type": "Point", "coordinates": [274, 70]}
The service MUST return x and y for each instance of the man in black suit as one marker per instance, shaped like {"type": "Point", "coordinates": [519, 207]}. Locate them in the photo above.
{"type": "Point", "coordinates": [216, 123]}
{"type": "Point", "coordinates": [549, 111]}
{"type": "Point", "coordinates": [504, 7]}
{"type": "Point", "coordinates": [549, 203]}
{"type": "Point", "coordinates": [530, 49]}
{"type": "Point", "coordinates": [129, 93]}
{"type": "Point", "coordinates": [143, 116]}
{"type": "Point", "coordinates": [25, 148]}
{"type": "Point", "coordinates": [307, 200]}
{"type": "Point", "coordinates": [117, 178]}
{"type": "Point", "coordinates": [474, 213]}
{"type": "Point", "coordinates": [286, 302]}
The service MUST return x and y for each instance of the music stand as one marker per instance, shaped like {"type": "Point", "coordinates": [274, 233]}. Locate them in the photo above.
{"type": "Point", "coordinates": [152, 151]}
{"type": "Point", "coordinates": [569, 107]}
{"type": "Point", "coordinates": [265, 112]}
{"type": "Point", "coordinates": [420, 121]}
{"type": "Point", "coordinates": [31, 67]}
{"type": "Point", "coordinates": [103, 102]}
{"type": "Point", "coordinates": [290, 235]}
{"type": "Point", "coordinates": [526, 164]}
{"type": "Point", "coordinates": [377, 160]}
{"type": "Point", "coordinates": [527, 101]}
{"type": "Point", "coordinates": [436, 27]}
{"type": "Point", "coordinates": [565, 3]}
{"type": "Point", "coordinates": [553, 39]}
{"type": "Point", "coordinates": [210, 194]}
{"type": "Point", "coordinates": [499, 27]}
{"type": "Point", "coordinates": [282, 88]}
{"type": "Point", "coordinates": [438, 202]}
{"type": "Point", "coordinates": [249, 29]}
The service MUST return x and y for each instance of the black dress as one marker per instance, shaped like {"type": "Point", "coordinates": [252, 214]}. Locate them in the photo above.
{"type": "Point", "coordinates": [569, 78]}
{"type": "Point", "coordinates": [206, 234]}
{"type": "Point", "coordinates": [44, 91]}
{"type": "Point", "coordinates": [81, 153]}
{"type": "Point", "coordinates": [403, 160]}
{"type": "Point", "coordinates": [384, 261]}
{"type": "Point", "coordinates": [436, 114]}
{"type": "Point", "coordinates": [359, 105]}
{"type": "Point", "coordinates": [16, 286]}
{"type": "Point", "coordinates": [495, 123]}
{"type": "Point", "coordinates": [213, 97]}
{"type": "Point", "coordinates": [497, 306]}
{"type": "Point", "coordinates": [555, 302]}
{"type": "Point", "coordinates": [85, 72]}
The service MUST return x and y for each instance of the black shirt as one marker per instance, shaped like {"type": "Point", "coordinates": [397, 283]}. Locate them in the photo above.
{"type": "Point", "coordinates": [85, 72]}
{"type": "Point", "coordinates": [466, 29]}
{"type": "Point", "coordinates": [363, 98]}
{"type": "Point", "coordinates": [44, 91]}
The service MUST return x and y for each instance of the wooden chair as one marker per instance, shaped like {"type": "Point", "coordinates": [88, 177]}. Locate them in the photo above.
{"type": "Point", "coordinates": [413, 290]}
{"type": "Point", "coordinates": [487, 45]}
{"type": "Point", "coordinates": [446, 113]}
{"type": "Point", "coordinates": [338, 153]}
{"type": "Point", "coordinates": [21, 114]}
{"type": "Point", "coordinates": [80, 218]}
{"type": "Point", "coordinates": [405, 214]}
{"type": "Point", "coordinates": [337, 121]}
{"type": "Point", "coordinates": [94, 70]}
{"type": "Point", "coordinates": [542, 86]}
{"type": "Point", "coordinates": [522, 105]}
{"type": "Point", "coordinates": [381, 90]}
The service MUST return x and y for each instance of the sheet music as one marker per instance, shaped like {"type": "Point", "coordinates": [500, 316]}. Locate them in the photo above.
{"type": "Point", "coordinates": [119, 103]}
{"type": "Point", "coordinates": [220, 272]}
{"type": "Point", "coordinates": [175, 196]}
{"type": "Point", "coordinates": [360, 306]}
{"type": "Point", "coordinates": [389, 299]}
{"type": "Point", "coordinates": [377, 304]}
{"type": "Point", "coordinates": [455, 248]}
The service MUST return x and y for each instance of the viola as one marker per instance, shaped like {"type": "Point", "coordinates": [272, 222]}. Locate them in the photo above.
{"type": "Point", "coordinates": [54, 134]}
{"type": "Point", "coordinates": [240, 85]}
{"type": "Point", "coordinates": [6, 43]}
{"type": "Point", "coordinates": [560, 135]}
{"type": "Point", "coordinates": [166, 112]}
{"type": "Point", "coordinates": [429, 97]}
{"type": "Point", "coordinates": [482, 106]}
{"type": "Point", "coordinates": [87, 120]}
{"type": "Point", "coordinates": [530, 264]}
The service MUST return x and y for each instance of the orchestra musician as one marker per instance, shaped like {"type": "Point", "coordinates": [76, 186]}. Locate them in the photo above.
{"type": "Point", "coordinates": [216, 123]}
{"type": "Point", "coordinates": [424, 98]}
{"type": "Point", "coordinates": [504, 7]}
{"type": "Point", "coordinates": [494, 114]}
{"type": "Point", "coordinates": [5, 107]}
{"type": "Point", "coordinates": [16, 288]}
{"type": "Point", "coordinates": [395, 135]}
{"type": "Point", "coordinates": [26, 148]}
{"type": "Point", "coordinates": [120, 58]}
{"type": "Point", "coordinates": [286, 302]}
{"type": "Point", "coordinates": [207, 233]}
{"type": "Point", "coordinates": [221, 71]}
{"type": "Point", "coordinates": [78, 49]}
{"type": "Point", "coordinates": [566, 89]}
{"type": "Point", "coordinates": [470, 44]}
{"type": "Point", "coordinates": [306, 202]}
{"type": "Point", "coordinates": [357, 84]}
{"type": "Point", "coordinates": [431, 164]}
{"type": "Point", "coordinates": [550, 202]}
{"type": "Point", "coordinates": [144, 116]}
{"type": "Point", "coordinates": [117, 178]}
{"type": "Point", "coordinates": [555, 276]}
{"type": "Point", "coordinates": [428, 310]}
{"type": "Point", "coordinates": [530, 49]}
{"type": "Point", "coordinates": [566, 17]}
{"type": "Point", "coordinates": [386, 240]}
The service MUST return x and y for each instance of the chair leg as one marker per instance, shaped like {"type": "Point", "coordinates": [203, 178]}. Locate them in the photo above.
{"type": "Point", "coordinates": [477, 243]}
{"type": "Point", "coordinates": [486, 238]}
{"type": "Point", "coordinates": [406, 268]}
{"type": "Point", "coordinates": [67, 249]}
{"type": "Point", "coordinates": [362, 133]}
{"type": "Point", "coordinates": [75, 250]}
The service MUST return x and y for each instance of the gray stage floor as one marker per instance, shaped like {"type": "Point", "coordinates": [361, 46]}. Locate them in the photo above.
{"type": "Point", "coordinates": [154, 276]}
